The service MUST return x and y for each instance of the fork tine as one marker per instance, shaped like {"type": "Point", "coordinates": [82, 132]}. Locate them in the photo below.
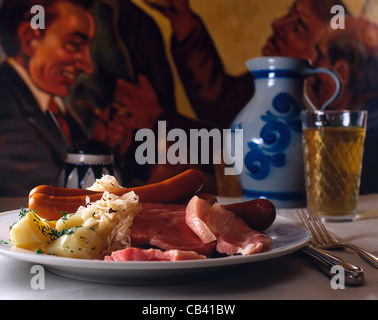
{"type": "Point", "coordinates": [327, 237]}
{"type": "Point", "coordinates": [300, 214]}
{"type": "Point", "coordinates": [306, 222]}
{"type": "Point", "coordinates": [316, 223]}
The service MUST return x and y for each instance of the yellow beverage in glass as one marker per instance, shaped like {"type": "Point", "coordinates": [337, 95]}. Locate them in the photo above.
{"type": "Point", "coordinates": [333, 162]}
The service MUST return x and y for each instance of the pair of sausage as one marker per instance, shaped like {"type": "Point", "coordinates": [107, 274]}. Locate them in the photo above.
{"type": "Point", "coordinates": [49, 202]}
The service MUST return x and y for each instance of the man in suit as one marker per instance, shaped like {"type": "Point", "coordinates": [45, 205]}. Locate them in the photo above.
{"type": "Point", "coordinates": [41, 67]}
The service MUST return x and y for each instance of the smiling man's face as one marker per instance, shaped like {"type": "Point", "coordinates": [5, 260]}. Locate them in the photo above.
{"type": "Point", "coordinates": [62, 51]}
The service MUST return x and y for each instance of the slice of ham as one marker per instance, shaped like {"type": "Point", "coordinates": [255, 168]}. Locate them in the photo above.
{"type": "Point", "coordinates": [137, 254]}
{"type": "Point", "coordinates": [233, 235]}
{"type": "Point", "coordinates": [164, 226]}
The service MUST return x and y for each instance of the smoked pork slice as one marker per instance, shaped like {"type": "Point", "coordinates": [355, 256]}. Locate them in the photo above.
{"type": "Point", "coordinates": [164, 226]}
{"type": "Point", "coordinates": [137, 254]}
{"type": "Point", "coordinates": [233, 235]}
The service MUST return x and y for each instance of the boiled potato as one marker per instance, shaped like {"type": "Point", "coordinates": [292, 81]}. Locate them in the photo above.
{"type": "Point", "coordinates": [31, 232]}
{"type": "Point", "coordinates": [69, 221]}
{"type": "Point", "coordinates": [78, 242]}
{"type": "Point", "coordinates": [51, 223]}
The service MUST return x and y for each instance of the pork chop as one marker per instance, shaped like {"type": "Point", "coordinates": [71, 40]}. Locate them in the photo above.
{"type": "Point", "coordinates": [233, 235]}
{"type": "Point", "coordinates": [164, 226]}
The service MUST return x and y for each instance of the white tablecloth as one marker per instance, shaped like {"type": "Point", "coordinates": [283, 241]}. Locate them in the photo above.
{"type": "Point", "coordinates": [287, 277]}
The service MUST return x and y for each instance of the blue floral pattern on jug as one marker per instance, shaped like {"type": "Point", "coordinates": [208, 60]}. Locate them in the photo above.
{"type": "Point", "coordinates": [275, 137]}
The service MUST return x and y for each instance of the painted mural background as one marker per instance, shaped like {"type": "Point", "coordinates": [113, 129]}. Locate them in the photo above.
{"type": "Point", "coordinates": [200, 82]}
{"type": "Point", "coordinates": [239, 29]}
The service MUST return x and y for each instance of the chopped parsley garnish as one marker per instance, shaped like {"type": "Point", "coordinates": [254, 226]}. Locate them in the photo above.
{"type": "Point", "coordinates": [64, 213]}
{"type": "Point", "coordinates": [67, 231]}
{"type": "Point", "coordinates": [39, 251]}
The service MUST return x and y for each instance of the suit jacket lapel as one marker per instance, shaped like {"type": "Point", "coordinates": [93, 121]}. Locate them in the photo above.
{"type": "Point", "coordinates": [33, 114]}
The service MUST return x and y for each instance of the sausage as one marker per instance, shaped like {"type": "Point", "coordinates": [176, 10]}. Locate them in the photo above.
{"type": "Point", "coordinates": [259, 214]}
{"type": "Point", "coordinates": [173, 189]}
{"type": "Point", "coordinates": [61, 192]}
{"type": "Point", "coordinates": [51, 207]}
{"type": "Point", "coordinates": [179, 187]}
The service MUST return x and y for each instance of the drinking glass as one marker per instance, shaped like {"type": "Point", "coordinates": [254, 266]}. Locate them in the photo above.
{"type": "Point", "coordinates": [333, 145]}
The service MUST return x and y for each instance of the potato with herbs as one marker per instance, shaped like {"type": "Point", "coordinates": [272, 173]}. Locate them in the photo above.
{"type": "Point", "coordinates": [31, 232]}
{"type": "Point", "coordinates": [69, 221]}
{"type": "Point", "coordinates": [78, 242]}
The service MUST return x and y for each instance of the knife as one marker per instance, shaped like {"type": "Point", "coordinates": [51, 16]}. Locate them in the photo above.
{"type": "Point", "coordinates": [354, 275]}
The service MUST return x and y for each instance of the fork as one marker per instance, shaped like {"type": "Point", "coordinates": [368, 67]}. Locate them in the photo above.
{"type": "Point", "coordinates": [354, 275]}
{"type": "Point", "coordinates": [323, 239]}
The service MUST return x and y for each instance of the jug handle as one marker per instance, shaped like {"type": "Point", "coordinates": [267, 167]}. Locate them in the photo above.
{"type": "Point", "coordinates": [334, 76]}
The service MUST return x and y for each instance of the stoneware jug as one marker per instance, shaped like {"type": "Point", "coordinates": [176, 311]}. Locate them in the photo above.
{"type": "Point", "coordinates": [271, 128]}
{"type": "Point", "coordinates": [87, 161]}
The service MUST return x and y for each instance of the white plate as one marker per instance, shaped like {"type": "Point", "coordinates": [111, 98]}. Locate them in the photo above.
{"type": "Point", "coordinates": [287, 235]}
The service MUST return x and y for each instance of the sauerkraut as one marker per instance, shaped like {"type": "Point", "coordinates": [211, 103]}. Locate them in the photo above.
{"type": "Point", "coordinates": [111, 217]}
{"type": "Point", "coordinates": [106, 183]}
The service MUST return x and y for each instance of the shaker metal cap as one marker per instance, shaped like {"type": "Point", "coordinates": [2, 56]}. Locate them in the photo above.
{"type": "Point", "coordinates": [90, 152]}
